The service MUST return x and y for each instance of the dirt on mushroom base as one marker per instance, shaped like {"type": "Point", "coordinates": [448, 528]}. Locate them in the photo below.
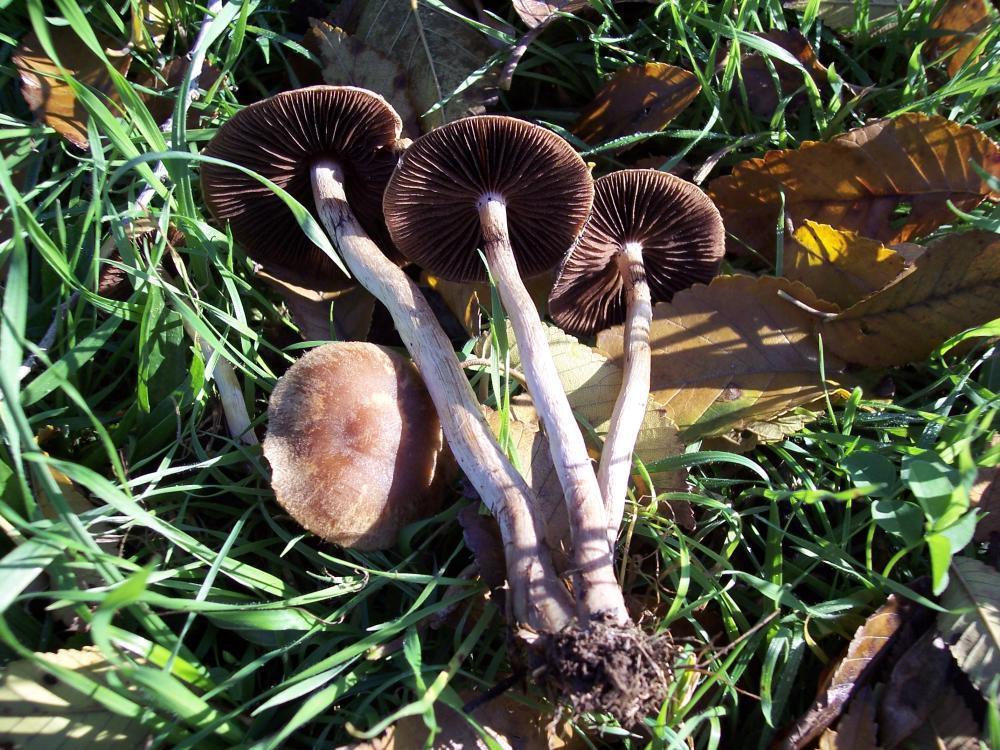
{"type": "Point", "coordinates": [609, 668]}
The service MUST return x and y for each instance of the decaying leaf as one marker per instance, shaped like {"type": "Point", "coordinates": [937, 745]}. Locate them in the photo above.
{"type": "Point", "coordinates": [731, 353]}
{"type": "Point", "coordinates": [638, 99]}
{"type": "Point", "coordinates": [985, 496]}
{"type": "Point", "coordinates": [952, 287]}
{"type": "Point", "coordinates": [468, 301]}
{"type": "Point", "coordinates": [762, 95]}
{"type": "Point", "coordinates": [38, 711]}
{"type": "Point", "coordinates": [49, 96]}
{"type": "Point", "coordinates": [856, 729]}
{"type": "Point", "coordinates": [961, 23]}
{"type": "Point", "coordinates": [171, 76]}
{"type": "Point", "coordinates": [781, 426]}
{"type": "Point", "coordinates": [858, 180]}
{"type": "Point", "coordinates": [842, 14]}
{"type": "Point", "coordinates": [841, 267]}
{"type": "Point", "coordinates": [950, 725]}
{"type": "Point", "coordinates": [972, 626]}
{"type": "Point", "coordinates": [916, 684]}
{"type": "Point", "coordinates": [348, 61]}
{"type": "Point", "coordinates": [482, 536]}
{"type": "Point", "coordinates": [440, 53]}
{"type": "Point", "coordinates": [535, 12]}
{"type": "Point", "coordinates": [870, 643]}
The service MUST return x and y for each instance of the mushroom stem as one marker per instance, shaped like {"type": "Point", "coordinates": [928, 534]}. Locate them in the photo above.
{"type": "Point", "coordinates": [630, 407]}
{"type": "Point", "coordinates": [599, 593]}
{"type": "Point", "coordinates": [538, 597]}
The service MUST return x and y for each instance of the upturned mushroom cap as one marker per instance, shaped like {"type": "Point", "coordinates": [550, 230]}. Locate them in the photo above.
{"type": "Point", "coordinates": [431, 201]}
{"type": "Point", "coordinates": [353, 440]}
{"type": "Point", "coordinates": [280, 138]}
{"type": "Point", "coordinates": [676, 224]}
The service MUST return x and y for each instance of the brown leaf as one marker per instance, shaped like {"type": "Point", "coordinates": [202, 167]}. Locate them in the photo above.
{"type": "Point", "coordinates": [731, 353]}
{"type": "Point", "coordinates": [172, 75]}
{"type": "Point", "coordinates": [535, 12]}
{"type": "Point", "coordinates": [762, 96]}
{"type": "Point", "coordinates": [841, 267]}
{"type": "Point", "coordinates": [916, 683]}
{"type": "Point", "coordinates": [859, 179]}
{"type": "Point", "coordinates": [482, 537]}
{"type": "Point", "coordinates": [350, 320]}
{"type": "Point", "coordinates": [842, 14]}
{"type": "Point", "coordinates": [965, 21]}
{"type": "Point", "coordinates": [953, 286]}
{"type": "Point", "coordinates": [348, 61]}
{"type": "Point", "coordinates": [985, 495]}
{"type": "Point", "coordinates": [950, 725]}
{"type": "Point", "coordinates": [856, 729]}
{"type": "Point", "coordinates": [640, 98]}
{"type": "Point", "coordinates": [49, 96]}
{"type": "Point", "coordinates": [869, 644]}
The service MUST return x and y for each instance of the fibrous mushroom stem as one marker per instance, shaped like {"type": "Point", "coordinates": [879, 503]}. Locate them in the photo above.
{"type": "Point", "coordinates": [538, 597]}
{"type": "Point", "coordinates": [599, 593]}
{"type": "Point", "coordinates": [630, 408]}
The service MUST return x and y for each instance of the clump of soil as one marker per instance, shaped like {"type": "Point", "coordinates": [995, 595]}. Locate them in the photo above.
{"type": "Point", "coordinates": [610, 668]}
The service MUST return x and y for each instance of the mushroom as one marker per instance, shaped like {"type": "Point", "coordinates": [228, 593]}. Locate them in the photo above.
{"type": "Point", "coordinates": [352, 135]}
{"type": "Point", "coordinates": [650, 235]}
{"type": "Point", "coordinates": [353, 441]}
{"type": "Point", "coordinates": [522, 195]}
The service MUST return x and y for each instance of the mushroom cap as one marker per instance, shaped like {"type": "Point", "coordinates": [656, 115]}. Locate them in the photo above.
{"type": "Point", "coordinates": [676, 224]}
{"type": "Point", "coordinates": [431, 201]}
{"type": "Point", "coordinates": [353, 440]}
{"type": "Point", "coordinates": [280, 138]}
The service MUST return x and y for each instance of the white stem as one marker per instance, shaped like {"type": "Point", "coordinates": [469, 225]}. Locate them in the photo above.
{"type": "Point", "coordinates": [592, 560]}
{"type": "Point", "coordinates": [538, 597]}
{"type": "Point", "coordinates": [630, 408]}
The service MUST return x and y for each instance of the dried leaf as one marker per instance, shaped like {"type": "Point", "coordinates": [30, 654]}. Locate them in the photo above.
{"type": "Point", "coordinates": [438, 51]}
{"type": "Point", "coordinates": [781, 426]}
{"type": "Point", "coordinates": [150, 24]}
{"type": "Point", "coordinates": [870, 643]}
{"type": "Point", "coordinates": [985, 496]}
{"type": "Point", "coordinates": [952, 287]}
{"type": "Point", "coordinates": [638, 99]}
{"type": "Point", "coordinates": [859, 179]}
{"type": "Point", "coordinates": [972, 627]}
{"type": "Point", "coordinates": [171, 76]}
{"type": "Point", "coordinates": [841, 267]}
{"type": "Point", "coordinates": [965, 21]}
{"type": "Point", "coordinates": [49, 96]}
{"type": "Point", "coordinates": [592, 382]}
{"type": "Point", "coordinates": [347, 61]}
{"type": "Point", "coordinates": [535, 12]}
{"type": "Point", "coordinates": [468, 301]}
{"type": "Point", "coordinates": [915, 686]}
{"type": "Point", "coordinates": [38, 711]}
{"type": "Point", "coordinates": [731, 353]}
{"type": "Point", "coordinates": [762, 96]}
{"type": "Point", "coordinates": [950, 725]}
{"type": "Point", "coordinates": [856, 729]}
{"type": "Point", "coordinates": [842, 14]}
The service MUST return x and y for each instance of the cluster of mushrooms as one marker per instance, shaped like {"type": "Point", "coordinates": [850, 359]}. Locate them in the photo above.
{"type": "Point", "coordinates": [518, 195]}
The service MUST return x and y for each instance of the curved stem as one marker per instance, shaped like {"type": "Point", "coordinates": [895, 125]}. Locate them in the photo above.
{"type": "Point", "coordinates": [537, 595]}
{"type": "Point", "coordinates": [630, 407]}
{"type": "Point", "coordinates": [592, 560]}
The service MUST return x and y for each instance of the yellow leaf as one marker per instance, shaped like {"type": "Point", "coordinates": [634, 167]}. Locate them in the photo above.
{"type": "Point", "coordinates": [39, 712]}
{"type": "Point", "coordinates": [150, 24]}
{"type": "Point", "coordinates": [639, 98]}
{"type": "Point", "coordinates": [841, 267]}
{"type": "Point", "coordinates": [731, 353]}
{"type": "Point", "coordinates": [467, 301]}
{"type": "Point", "coordinates": [953, 286]}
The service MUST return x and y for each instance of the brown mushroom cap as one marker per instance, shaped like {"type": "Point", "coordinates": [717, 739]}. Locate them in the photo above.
{"type": "Point", "coordinates": [353, 440]}
{"type": "Point", "coordinates": [280, 138]}
{"type": "Point", "coordinates": [677, 225]}
{"type": "Point", "coordinates": [431, 201]}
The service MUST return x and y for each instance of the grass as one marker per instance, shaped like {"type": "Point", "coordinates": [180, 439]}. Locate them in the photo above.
{"type": "Point", "coordinates": [134, 522]}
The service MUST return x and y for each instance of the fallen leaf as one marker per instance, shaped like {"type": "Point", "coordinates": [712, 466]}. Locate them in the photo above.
{"type": "Point", "coordinates": [858, 180]}
{"type": "Point", "coordinates": [49, 96]}
{"type": "Point", "coordinates": [950, 725]}
{"type": "Point", "coordinates": [150, 24]}
{"type": "Point", "coordinates": [961, 24]}
{"type": "Point", "coordinates": [762, 95]}
{"type": "Point", "coordinates": [781, 426]}
{"type": "Point", "coordinates": [915, 686]}
{"type": "Point", "coordinates": [171, 76]}
{"type": "Point", "coordinates": [985, 496]}
{"type": "Point", "coordinates": [440, 53]}
{"type": "Point", "coordinates": [731, 353]}
{"type": "Point", "coordinates": [38, 711]}
{"type": "Point", "coordinates": [469, 301]}
{"type": "Point", "coordinates": [972, 626]}
{"type": "Point", "coordinates": [868, 646]}
{"type": "Point", "coordinates": [535, 12]}
{"type": "Point", "coordinates": [856, 729]}
{"type": "Point", "coordinates": [347, 61]}
{"type": "Point", "coordinates": [841, 267]}
{"type": "Point", "coordinates": [953, 286]}
{"type": "Point", "coordinates": [842, 14]}
{"type": "Point", "coordinates": [638, 99]}
{"type": "Point", "coordinates": [482, 536]}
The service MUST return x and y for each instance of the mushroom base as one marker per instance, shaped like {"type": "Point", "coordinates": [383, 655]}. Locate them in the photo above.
{"type": "Point", "coordinates": [609, 668]}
